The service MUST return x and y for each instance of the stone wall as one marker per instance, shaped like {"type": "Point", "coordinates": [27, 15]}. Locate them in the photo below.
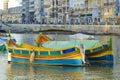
{"type": "Point", "coordinates": [98, 29]}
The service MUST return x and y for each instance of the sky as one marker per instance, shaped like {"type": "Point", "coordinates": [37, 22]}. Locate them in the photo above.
{"type": "Point", "coordinates": [12, 3]}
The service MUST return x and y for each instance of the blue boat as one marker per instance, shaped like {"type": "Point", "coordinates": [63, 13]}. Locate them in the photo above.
{"type": "Point", "coordinates": [3, 41]}
{"type": "Point", "coordinates": [2, 45]}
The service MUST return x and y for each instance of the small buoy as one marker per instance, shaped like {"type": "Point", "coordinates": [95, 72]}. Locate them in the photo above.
{"type": "Point", "coordinates": [9, 57]}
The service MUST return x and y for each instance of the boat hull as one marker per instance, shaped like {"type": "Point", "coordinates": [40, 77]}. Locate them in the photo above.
{"type": "Point", "coordinates": [54, 62]}
{"type": "Point", "coordinates": [106, 56]}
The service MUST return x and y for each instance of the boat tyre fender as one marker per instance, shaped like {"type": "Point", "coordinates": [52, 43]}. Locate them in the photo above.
{"type": "Point", "coordinates": [81, 47]}
{"type": "Point", "coordinates": [32, 57]}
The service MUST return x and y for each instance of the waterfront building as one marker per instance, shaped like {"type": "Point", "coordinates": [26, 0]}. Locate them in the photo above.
{"type": "Point", "coordinates": [117, 11]}
{"type": "Point", "coordinates": [42, 11]}
{"type": "Point", "coordinates": [117, 2]}
{"type": "Point", "coordinates": [25, 11]}
{"type": "Point", "coordinates": [28, 11]}
{"type": "Point", "coordinates": [12, 15]}
{"type": "Point", "coordinates": [109, 11]}
{"type": "Point", "coordinates": [61, 11]}
{"type": "Point", "coordinates": [69, 11]}
{"type": "Point", "coordinates": [5, 4]}
{"type": "Point", "coordinates": [37, 11]}
{"type": "Point", "coordinates": [31, 11]}
{"type": "Point", "coordinates": [77, 8]}
{"type": "Point", "coordinates": [97, 11]}
{"type": "Point", "coordinates": [47, 8]}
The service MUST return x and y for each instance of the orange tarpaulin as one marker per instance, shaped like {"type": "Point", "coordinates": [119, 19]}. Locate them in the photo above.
{"type": "Point", "coordinates": [41, 38]}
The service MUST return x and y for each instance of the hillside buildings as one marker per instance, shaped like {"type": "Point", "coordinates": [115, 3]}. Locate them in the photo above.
{"type": "Point", "coordinates": [10, 15]}
{"type": "Point", "coordinates": [67, 11]}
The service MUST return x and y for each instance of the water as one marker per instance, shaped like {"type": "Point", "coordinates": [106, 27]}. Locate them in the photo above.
{"type": "Point", "coordinates": [98, 71]}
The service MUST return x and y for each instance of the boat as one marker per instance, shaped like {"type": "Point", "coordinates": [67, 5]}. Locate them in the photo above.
{"type": "Point", "coordinates": [30, 54]}
{"type": "Point", "coordinates": [93, 49]}
{"type": "Point", "coordinates": [3, 40]}
{"type": "Point", "coordinates": [2, 46]}
{"type": "Point", "coordinates": [81, 36]}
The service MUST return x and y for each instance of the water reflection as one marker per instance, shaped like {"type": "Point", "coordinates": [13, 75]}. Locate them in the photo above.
{"type": "Point", "coordinates": [19, 71]}
{"type": "Point", "coordinates": [30, 72]}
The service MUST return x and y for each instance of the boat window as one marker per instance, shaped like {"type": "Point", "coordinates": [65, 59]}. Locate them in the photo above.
{"type": "Point", "coordinates": [54, 53]}
{"type": "Point", "coordinates": [25, 52]}
{"type": "Point", "coordinates": [97, 49]}
{"type": "Point", "coordinates": [68, 50]}
{"type": "Point", "coordinates": [44, 53]}
{"type": "Point", "coordinates": [17, 51]}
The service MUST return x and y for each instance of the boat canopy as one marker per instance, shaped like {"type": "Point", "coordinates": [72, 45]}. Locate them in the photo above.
{"type": "Point", "coordinates": [66, 44]}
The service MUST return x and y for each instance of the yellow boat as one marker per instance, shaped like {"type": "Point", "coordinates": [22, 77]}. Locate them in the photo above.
{"type": "Point", "coordinates": [45, 56]}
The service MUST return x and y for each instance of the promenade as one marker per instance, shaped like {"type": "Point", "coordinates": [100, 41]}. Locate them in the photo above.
{"type": "Point", "coordinates": [88, 29]}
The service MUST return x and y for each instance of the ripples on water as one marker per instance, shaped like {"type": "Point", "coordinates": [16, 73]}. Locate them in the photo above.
{"type": "Point", "coordinates": [99, 71]}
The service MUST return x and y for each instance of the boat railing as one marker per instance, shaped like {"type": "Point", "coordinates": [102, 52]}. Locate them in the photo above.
{"type": "Point", "coordinates": [97, 48]}
{"type": "Point", "coordinates": [42, 52]}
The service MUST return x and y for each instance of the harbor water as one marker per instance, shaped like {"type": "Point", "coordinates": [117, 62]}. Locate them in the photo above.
{"type": "Point", "coordinates": [97, 71]}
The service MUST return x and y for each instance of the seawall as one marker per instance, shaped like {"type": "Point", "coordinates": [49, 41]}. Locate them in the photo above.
{"type": "Point", "coordinates": [90, 29]}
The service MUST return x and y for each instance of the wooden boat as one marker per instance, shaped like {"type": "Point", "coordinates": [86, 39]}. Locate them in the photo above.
{"type": "Point", "coordinates": [3, 41]}
{"type": "Point", "coordinates": [93, 49]}
{"type": "Point", "coordinates": [5, 36]}
{"type": "Point", "coordinates": [45, 56]}
{"type": "Point", "coordinates": [101, 53]}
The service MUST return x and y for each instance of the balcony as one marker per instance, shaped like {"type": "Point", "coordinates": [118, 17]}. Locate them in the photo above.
{"type": "Point", "coordinates": [31, 10]}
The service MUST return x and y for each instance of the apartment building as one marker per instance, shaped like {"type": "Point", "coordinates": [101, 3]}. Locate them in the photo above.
{"type": "Point", "coordinates": [69, 11]}
{"type": "Point", "coordinates": [12, 15]}
{"type": "Point", "coordinates": [61, 11]}
{"type": "Point", "coordinates": [5, 4]}
{"type": "Point", "coordinates": [77, 8]}
{"type": "Point", "coordinates": [42, 11]}
{"type": "Point", "coordinates": [31, 11]}
{"type": "Point", "coordinates": [25, 11]}
{"type": "Point", "coordinates": [109, 10]}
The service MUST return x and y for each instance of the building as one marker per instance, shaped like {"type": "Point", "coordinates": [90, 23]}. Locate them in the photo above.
{"type": "Point", "coordinates": [25, 11]}
{"type": "Point", "coordinates": [35, 11]}
{"type": "Point", "coordinates": [61, 11]}
{"type": "Point", "coordinates": [109, 11]}
{"type": "Point", "coordinates": [47, 9]}
{"type": "Point", "coordinates": [97, 11]}
{"type": "Point", "coordinates": [12, 15]}
{"type": "Point", "coordinates": [28, 10]}
{"type": "Point", "coordinates": [5, 4]}
{"type": "Point", "coordinates": [69, 11]}
{"type": "Point", "coordinates": [31, 11]}
{"type": "Point", "coordinates": [77, 8]}
{"type": "Point", "coordinates": [42, 11]}
{"type": "Point", "coordinates": [117, 7]}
